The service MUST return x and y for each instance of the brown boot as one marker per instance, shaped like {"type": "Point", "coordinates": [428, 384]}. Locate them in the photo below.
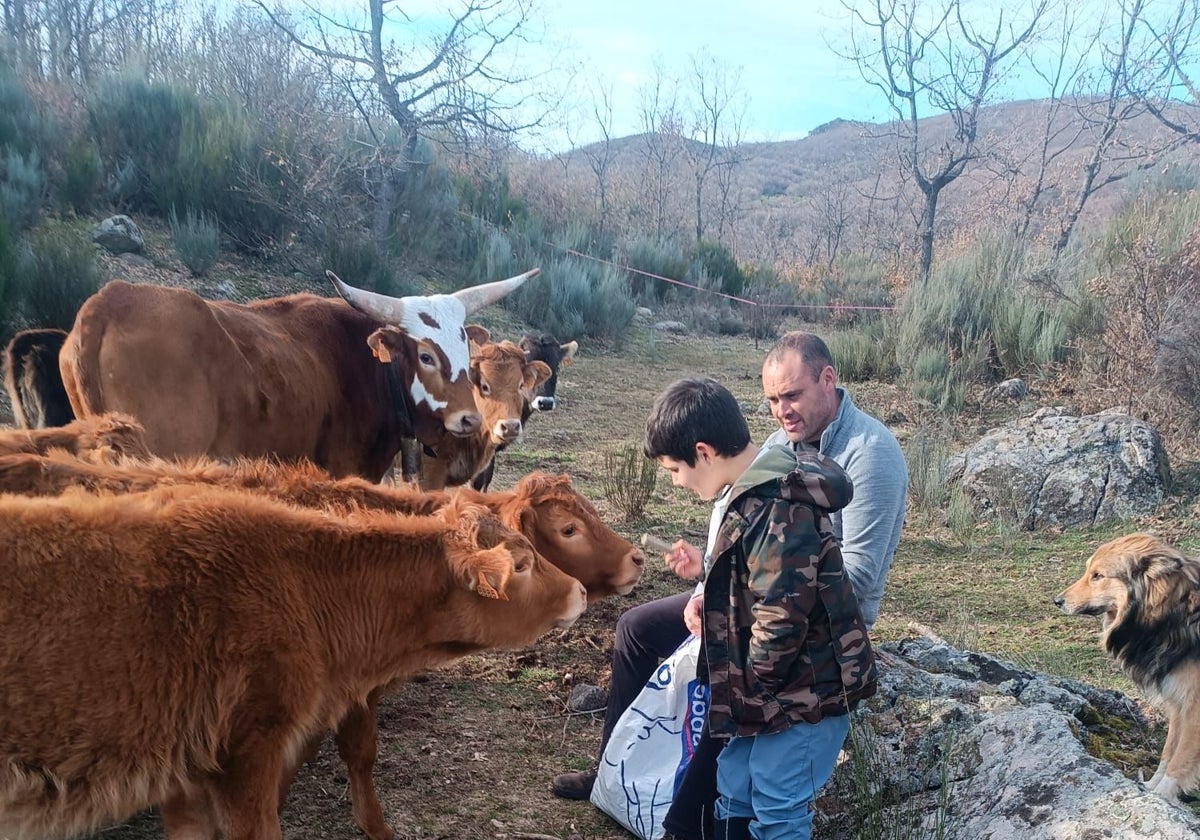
{"type": "Point", "coordinates": [576, 784]}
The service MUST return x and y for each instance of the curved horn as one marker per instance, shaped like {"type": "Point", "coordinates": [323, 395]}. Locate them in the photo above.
{"type": "Point", "coordinates": [389, 310]}
{"type": "Point", "coordinates": [477, 297]}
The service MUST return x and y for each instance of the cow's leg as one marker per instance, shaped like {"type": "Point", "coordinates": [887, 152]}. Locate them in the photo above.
{"type": "Point", "coordinates": [290, 773]}
{"type": "Point", "coordinates": [248, 789]}
{"type": "Point", "coordinates": [357, 739]}
{"type": "Point", "coordinates": [187, 814]}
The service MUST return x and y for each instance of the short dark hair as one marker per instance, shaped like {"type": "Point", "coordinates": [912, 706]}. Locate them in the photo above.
{"type": "Point", "coordinates": [808, 346]}
{"type": "Point", "coordinates": [692, 411]}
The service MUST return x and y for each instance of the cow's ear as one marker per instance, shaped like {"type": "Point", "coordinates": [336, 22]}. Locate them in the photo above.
{"type": "Point", "coordinates": [568, 351]}
{"type": "Point", "coordinates": [535, 374]}
{"type": "Point", "coordinates": [492, 569]}
{"type": "Point", "coordinates": [385, 343]}
{"type": "Point", "coordinates": [477, 335]}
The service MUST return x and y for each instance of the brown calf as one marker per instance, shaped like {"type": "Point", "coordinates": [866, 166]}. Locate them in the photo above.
{"type": "Point", "coordinates": [562, 525]}
{"type": "Point", "coordinates": [505, 381]}
{"type": "Point", "coordinates": [193, 641]}
{"type": "Point", "coordinates": [100, 439]}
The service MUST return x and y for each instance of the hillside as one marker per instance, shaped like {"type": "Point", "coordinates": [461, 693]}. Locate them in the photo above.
{"type": "Point", "coordinates": [793, 197]}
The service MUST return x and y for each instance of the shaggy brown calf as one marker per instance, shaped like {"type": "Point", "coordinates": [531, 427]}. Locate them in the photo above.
{"type": "Point", "coordinates": [562, 525]}
{"type": "Point", "coordinates": [101, 439]}
{"type": "Point", "coordinates": [192, 642]}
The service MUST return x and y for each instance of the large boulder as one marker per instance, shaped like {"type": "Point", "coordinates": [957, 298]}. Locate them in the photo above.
{"type": "Point", "coordinates": [984, 748]}
{"type": "Point", "coordinates": [1053, 468]}
{"type": "Point", "coordinates": [119, 235]}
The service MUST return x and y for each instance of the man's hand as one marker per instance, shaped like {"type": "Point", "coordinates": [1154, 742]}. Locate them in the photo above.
{"type": "Point", "coordinates": [685, 560]}
{"type": "Point", "coordinates": [693, 614]}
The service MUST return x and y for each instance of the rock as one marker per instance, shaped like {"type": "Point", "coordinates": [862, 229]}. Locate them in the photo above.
{"type": "Point", "coordinates": [587, 698]}
{"type": "Point", "coordinates": [1009, 389]}
{"type": "Point", "coordinates": [669, 326]}
{"type": "Point", "coordinates": [1052, 468]}
{"type": "Point", "coordinates": [989, 749]}
{"type": "Point", "coordinates": [119, 235]}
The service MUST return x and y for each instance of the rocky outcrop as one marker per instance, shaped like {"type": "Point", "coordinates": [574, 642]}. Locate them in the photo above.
{"type": "Point", "coordinates": [1053, 468]}
{"type": "Point", "coordinates": [985, 749]}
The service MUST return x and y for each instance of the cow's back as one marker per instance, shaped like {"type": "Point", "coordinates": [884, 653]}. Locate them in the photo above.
{"type": "Point", "coordinates": [291, 377]}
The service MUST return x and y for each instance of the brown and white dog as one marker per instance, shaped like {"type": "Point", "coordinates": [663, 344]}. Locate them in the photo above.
{"type": "Point", "coordinates": [1147, 595]}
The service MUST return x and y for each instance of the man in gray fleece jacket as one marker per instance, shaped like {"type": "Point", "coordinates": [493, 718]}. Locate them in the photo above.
{"type": "Point", "coordinates": [801, 388]}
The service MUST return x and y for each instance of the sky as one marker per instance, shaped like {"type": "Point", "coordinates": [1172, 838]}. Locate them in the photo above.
{"type": "Point", "coordinates": [786, 52]}
{"type": "Point", "coordinates": [793, 80]}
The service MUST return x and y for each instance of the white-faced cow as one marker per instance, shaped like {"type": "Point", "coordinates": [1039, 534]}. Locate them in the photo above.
{"type": "Point", "coordinates": [31, 378]}
{"type": "Point", "coordinates": [291, 377]}
{"type": "Point", "coordinates": [191, 643]}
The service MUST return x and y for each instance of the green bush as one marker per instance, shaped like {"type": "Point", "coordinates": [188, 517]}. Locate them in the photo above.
{"type": "Point", "coordinates": [926, 452]}
{"type": "Point", "coordinates": [23, 128]}
{"type": "Point", "coordinates": [10, 271]}
{"type": "Point", "coordinates": [863, 353]}
{"type": "Point", "coordinates": [354, 258]}
{"type": "Point", "coordinates": [936, 382]}
{"type": "Point", "coordinates": [714, 261]}
{"type": "Point", "coordinates": [137, 126]}
{"type": "Point", "coordinates": [61, 274]}
{"type": "Point", "coordinates": [664, 259]}
{"type": "Point", "coordinates": [197, 239]}
{"type": "Point", "coordinates": [22, 188]}
{"type": "Point", "coordinates": [775, 298]}
{"type": "Point", "coordinates": [80, 181]}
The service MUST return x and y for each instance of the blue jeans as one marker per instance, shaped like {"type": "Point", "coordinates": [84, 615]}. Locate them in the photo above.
{"type": "Point", "coordinates": [773, 779]}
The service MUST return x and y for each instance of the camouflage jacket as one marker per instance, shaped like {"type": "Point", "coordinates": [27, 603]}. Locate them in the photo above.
{"type": "Point", "coordinates": [783, 638]}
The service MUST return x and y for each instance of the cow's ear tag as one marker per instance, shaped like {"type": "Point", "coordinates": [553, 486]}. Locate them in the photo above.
{"type": "Point", "coordinates": [379, 347]}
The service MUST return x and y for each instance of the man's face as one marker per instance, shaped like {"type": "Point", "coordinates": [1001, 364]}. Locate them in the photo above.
{"type": "Point", "coordinates": [802, 404]}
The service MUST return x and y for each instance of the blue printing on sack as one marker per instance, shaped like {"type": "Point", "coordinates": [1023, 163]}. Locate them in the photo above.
{"type": "Point", "coordinates": [693, 725]}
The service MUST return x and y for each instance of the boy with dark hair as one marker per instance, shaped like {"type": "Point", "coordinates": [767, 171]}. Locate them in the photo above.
{"type": "Point", "coordinates": [787, 654]}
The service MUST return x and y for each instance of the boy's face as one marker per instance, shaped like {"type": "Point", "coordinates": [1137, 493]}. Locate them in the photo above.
{"type": "Point", "coordinates": [704, 479]}
{"type": "Point", "coordinates": [802, 404]}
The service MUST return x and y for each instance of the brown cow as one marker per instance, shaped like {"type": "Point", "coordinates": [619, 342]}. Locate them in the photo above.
{"type": "Point", "coordinates": [192, 641]}
{"type": "Point", "coordinates": [562, 525]}
{"type": "Point", "coordinates": [31, 378]}
{"type": "Point", "coordinates": [505, 381]}
{"type": "Point", "coordinates": [104, 438]}
{"type": "Point", "coordinates": [292, 377]}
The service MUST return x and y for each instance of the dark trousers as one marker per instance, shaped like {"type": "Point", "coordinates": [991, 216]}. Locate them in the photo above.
{"type": "Point", "coordinates": [645, 636]}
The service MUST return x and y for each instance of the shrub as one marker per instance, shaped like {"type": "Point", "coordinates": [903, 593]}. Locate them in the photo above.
{"type": "Point", "coordinates": [719, 266]}
{"type": "Point", "coordinates": [629, 480]}
{"type": "Point", "coordinates": [355, 259]}
{"type": "Point", "coordinates": [926, 452]}
{"type": "Point", "coordinates": [863, 353]}
{"type": "Point", "coordinates": [936, 382]}
{"type": "Point", "coordinates": [774, 297]}
{"type": "Point", "coordinates": [10, 267]}
{"type": "Point", "coordinates": [664, 259]}
{"type": "Point", "coordinates": [197, 240]}
{"type": "Point", "coordinates": [80, 177]}
{"type": "Point", "coordinates": [22, 188]}
{"type": "Point", "coordinates": [61, 274]}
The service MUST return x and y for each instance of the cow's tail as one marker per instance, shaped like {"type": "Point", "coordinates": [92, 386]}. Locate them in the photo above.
{"type": "Point", "coordinates": [33, 380]}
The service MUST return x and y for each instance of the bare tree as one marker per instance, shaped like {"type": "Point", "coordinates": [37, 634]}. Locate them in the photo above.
{"type": "Point", "coordinates": [926, 61]}
{"type": "Point", "coordinates": [714, 127]}
{"type": "Point", "coordinates": [661, 123]}
{"type": "Point", "coordinates": [1164, 79]}
{"type": "Point", "coordinates": [601, 154]}
{"type": "Point", "coordinates": [454, 85]}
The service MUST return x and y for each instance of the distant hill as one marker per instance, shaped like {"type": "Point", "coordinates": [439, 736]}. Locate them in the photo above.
{"type": "Point", "coordinates": [798, 200]}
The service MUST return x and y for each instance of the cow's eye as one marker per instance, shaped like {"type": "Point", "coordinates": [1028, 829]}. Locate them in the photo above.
{"type": "Point", "coordinates": [521, 565]}
{"type": "Point", "coordinates": [426, 359]}
{"type": "Point", "coordinates": [485, 389]}
{"type": "Point", "coordinates": [569, 531]}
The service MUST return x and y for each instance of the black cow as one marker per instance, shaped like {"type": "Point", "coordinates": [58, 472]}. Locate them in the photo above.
{"type": "Point", "coordinates": [538, 347]}
{"type": "Point", "coordinates": [35, 388]}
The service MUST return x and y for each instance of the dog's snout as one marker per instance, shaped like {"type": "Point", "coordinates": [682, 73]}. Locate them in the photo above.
{"type": "Point", "coordinates": [1059, 601]}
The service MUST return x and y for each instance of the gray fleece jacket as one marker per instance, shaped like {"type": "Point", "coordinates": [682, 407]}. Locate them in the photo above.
{"type": "Point", "coordinates": [869, 526]}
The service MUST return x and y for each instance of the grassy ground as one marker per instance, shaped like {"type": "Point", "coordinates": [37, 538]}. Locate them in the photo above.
{"type": "Point", "coordinates": [468, 751]}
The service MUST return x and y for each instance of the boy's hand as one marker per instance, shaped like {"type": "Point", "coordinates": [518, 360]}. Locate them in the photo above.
{"type": "Point", "coordinates": [685, 560]}
{"type": "Point", "coordinates": [693, 614]}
